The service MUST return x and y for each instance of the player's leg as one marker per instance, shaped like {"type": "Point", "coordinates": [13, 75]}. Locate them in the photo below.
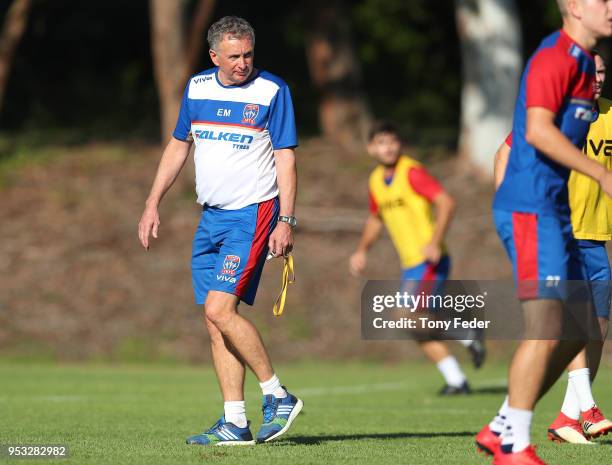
{"type": "Point", "coordinates": [435, 351]}
{"type": "Point", "coordinates": [539, 248]}
{"type": "Point", "coordinates": [534, 368]}
{"type": "Point", "coordinates": [543, 246]}
{"type": "Point", "coordinates": [566, 427]}
{"type": "Point", "coordinates": [232, 428]}
{"type": "Point", "coordinates": [596, 270]}
{"type": "Point", "coordinates": [454, 378]}
{"type": "Point", "coordinates": [476, 348]}
{"type": "Point", "coordinates": [230, 372]}
{"type": "Point", "coordinates": [222, 314]}
{"type": "Point", "coordinates": [244, 234]}
{"type": "Point", "coordinates": [594, 267]}
{"type": "Point", "coordinates": [594, 348]}
{"type": "Point", "coordinates": [429, 278]}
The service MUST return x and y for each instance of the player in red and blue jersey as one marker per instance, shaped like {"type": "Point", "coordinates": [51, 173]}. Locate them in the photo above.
{"type": "Point", "coordinates": [592, 227]}
{"type": "Point", "coordinates": [531, 210]}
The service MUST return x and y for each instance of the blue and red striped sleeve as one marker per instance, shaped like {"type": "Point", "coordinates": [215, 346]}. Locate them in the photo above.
{"type": "Point", "coordinates": [509, 140]}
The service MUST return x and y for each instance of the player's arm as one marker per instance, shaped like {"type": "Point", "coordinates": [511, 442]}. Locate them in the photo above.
{"type": "Point", "coordinates": [371, 232]}
{"type": "Point", "coordinates": [547, 86]}
{"type": "Point", "coordinates": [444, 206]}
{"type": "Point", "coordinates": [281, 239]}
{"type": "Point", "coordinates": [545, 136]}
{"type": "Point", "coordinates": [170, 165]}
{"type": "Point", "coordinates": [426, 185]}
{"type": "Point", "coordinates": [500, 163]}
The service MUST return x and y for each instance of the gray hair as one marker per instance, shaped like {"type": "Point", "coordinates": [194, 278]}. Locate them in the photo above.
{"type": "Point", "coordinates": [235, 27]}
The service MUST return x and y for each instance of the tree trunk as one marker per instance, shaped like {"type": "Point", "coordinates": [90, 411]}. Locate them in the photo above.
{"type": "Point", "coordinates": [169, 61]}
{"type": "Point", "coordinates": [201, 19]}
{"type": "Point", "coordinates": [490, 34]}
{"type": "Point", "coordinates": [175, 56]}
{"type": "Point", "coordinates": [12, 31]}
{"type": "Point", "coordinates": [343, 114]}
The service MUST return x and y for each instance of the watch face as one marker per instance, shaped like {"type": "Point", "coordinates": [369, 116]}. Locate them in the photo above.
{"type": "Point", "coordinates": [290, 220]}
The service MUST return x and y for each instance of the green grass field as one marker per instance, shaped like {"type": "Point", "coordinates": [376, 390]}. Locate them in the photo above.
{"type": "Point", "coordinates": [354, 413]}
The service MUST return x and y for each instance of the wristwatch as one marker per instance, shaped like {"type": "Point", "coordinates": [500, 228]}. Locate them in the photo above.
{"type": "Point", "coordinates": [290, 220]}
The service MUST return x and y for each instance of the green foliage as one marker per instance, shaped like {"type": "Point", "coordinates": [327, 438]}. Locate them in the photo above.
{"type": "Point", "coordinates": [90, 72]}
{"type": "Point", "coordinates": [411, 64]}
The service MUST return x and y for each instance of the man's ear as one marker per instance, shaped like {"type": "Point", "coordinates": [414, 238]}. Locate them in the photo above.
{"type": "Point", "coordinates": [574, 8]}
{"type": "Point", "coordinates": [214, 57]}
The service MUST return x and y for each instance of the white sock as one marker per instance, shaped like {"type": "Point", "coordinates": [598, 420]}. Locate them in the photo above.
{"type": "Point", "coordinates": [581, 382]}
{"type": "Point", "coordinates": [466, 342]}
{"type": "Point", "coordinates": [273, 386]}
{"type": "Point", "coordinates": [235, 412]}
{"type": "Point", "coordinates": [570, 407]}
{"type": "Point", "coordinates": [497, 425]}
{"type": "Point", "coordinates": [450, 369]}
{"type": "Point", "coordinates": [515, 436]}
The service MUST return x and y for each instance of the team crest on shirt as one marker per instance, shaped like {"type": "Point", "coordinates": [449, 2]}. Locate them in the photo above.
{"type": "Point", "coordinates": [230, 264]}
{"type": "Point", "coordinates": [250, 112]}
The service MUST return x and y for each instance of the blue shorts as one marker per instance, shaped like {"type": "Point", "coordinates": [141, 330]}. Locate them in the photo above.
{"type": "Point", "coordinates": [230, 248]}
{"type": "Point", "coordinates": [540, 248]}
{"type": "Point", "coordinates": [594, 266]}
{"type": "Point", "coordinates": [427, 277]}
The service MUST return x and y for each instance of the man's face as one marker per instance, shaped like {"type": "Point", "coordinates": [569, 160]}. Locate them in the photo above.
{"type": "Point", "coordinates": [386, 147]}
{"type": "Point", "coordinates": [600, 76]}
{"type": "Point", "coordinates": [234, 57]}
{"type": "Point", "coordinates": [595, 16]}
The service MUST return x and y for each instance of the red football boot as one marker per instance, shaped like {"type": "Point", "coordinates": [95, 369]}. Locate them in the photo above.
{"type": "Point", "coordinates": [487, 441]}
{"type": "Point", "coordinates": [565, 429]}
{"type": "Point", "coordinates": [527, 456]}
{"type": "Point", "coordinates": [594, 424]}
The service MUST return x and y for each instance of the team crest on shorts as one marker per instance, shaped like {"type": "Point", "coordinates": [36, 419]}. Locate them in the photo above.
{"type": "Point", "coordinates": [230, 264]}
{"type": "Point", "coordinates": [250, 112]}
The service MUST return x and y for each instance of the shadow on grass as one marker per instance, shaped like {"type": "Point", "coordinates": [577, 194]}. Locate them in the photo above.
{"type": "Point", "coordinates": [316, 440]}
{"type": "Point", "coordinates": [490, 390]}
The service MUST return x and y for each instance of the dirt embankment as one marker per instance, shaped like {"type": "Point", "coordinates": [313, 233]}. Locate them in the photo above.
{"type": "Point", "coordinates": [77, 285]}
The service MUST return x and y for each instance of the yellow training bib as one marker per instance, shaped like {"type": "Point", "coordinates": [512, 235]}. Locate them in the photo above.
{"type": "Point", "coordinates": [591, 207]}
{"type": "Point", "coordinates": [407, 215]}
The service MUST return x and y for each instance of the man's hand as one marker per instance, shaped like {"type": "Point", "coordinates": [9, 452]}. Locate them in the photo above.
{"type": "Point", "coordinates": [281, 240]}
{"type": "Point", "coordinates": [358, 262]}
{"type": "Point", "coordinates": [149, 224]}
{"type": "Point", "coordinates": [606, 183]}
{"type": "Point", "coordinates": [432, 252]}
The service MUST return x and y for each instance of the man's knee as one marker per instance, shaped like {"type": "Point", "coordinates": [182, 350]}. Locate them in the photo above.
{"type": "Point", "coordinates": [215, 335]}
{"type": "Point", "coordinates": [219, 313]}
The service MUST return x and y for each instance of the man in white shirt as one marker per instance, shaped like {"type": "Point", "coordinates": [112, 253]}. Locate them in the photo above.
{"type": "Point", "coordinates": [242, 122]}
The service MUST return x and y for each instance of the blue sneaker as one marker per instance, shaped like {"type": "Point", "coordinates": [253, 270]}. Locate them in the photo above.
{"type": "Point", "coordinates": [278, 414]}
{"type": "Point", "coordinates": [223, 433]}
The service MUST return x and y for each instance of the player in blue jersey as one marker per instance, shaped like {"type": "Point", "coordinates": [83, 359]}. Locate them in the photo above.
{"type": "Point", "coordinates": [242, 123]}
{"type": "Point", "coordinates": [531, 211]}
{"type": "Point", "coordinates": [592, 226]}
